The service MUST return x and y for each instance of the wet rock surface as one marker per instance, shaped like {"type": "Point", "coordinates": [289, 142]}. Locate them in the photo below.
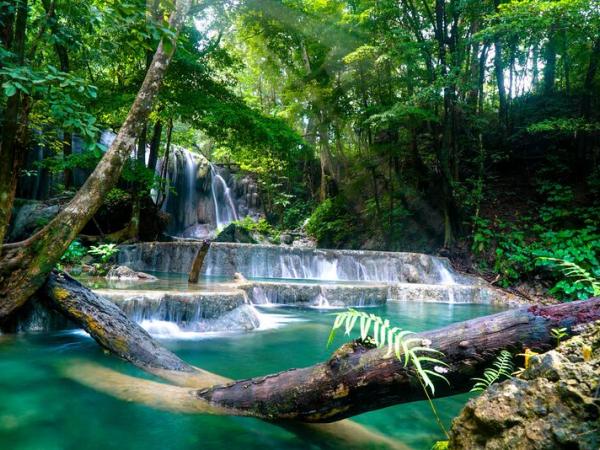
{"type": "Point", "coordinates": [555, 404]}
{"type": "Point", "coordinates": [125, 273]}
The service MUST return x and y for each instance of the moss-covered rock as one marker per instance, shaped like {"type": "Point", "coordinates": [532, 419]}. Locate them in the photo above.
{"type": "Point", "coordinates": [555, 403]}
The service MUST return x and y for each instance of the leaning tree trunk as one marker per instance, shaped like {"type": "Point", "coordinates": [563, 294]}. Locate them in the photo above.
{"type": "Point", "coordinates": [25, 266]}
{"type": "Point", "coordinates": [356, 378]}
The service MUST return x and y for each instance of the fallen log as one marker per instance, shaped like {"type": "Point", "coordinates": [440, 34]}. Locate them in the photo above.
{"type": "Point", "coordinates": [357, 379]}
{"type": "Point", "coordinates": [114, 331]}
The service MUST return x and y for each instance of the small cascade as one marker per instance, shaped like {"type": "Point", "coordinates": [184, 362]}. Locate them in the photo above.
{"type": "Point", "coordinates": [225, 209]}
{"type": "Point", "coordinates": [203, 197]}
{"type": "Point", "coordinates": [446, 279]}
{"type": "Point", "coordinates": [321, 302]}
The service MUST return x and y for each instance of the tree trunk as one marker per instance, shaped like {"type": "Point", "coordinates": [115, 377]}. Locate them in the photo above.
{"type": "Point", "coordinates": [550, 67]}
{"type": "Point", "coordinates": [357, 379]}
{"type": "Point", "coordinates": [25, 266]}
{"type": "Point", "coordinates": [198, 261]}
{"type": "Point", "coordinates": [11, 153]}
{"type": "Point", "coordinates": [154, 145]}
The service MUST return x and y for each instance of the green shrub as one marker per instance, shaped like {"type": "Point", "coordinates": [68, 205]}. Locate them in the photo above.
{"type": "Point", "coordinates": [296, 213]}
{"type": "Point", "coordinates": [260, 226]}
{"type": "Point", "coordinates": [74, 253]}
{"type": "Point", "coordinates": [332, 223]}
{"type": "Point", "coordinates": [104, 251]}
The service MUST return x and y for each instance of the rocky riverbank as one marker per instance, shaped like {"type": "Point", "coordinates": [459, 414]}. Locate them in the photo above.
{"type": "Point", "coordinates": [554, 404]}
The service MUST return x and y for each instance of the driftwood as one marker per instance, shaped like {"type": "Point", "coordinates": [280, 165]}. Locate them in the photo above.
{"type": "Point", "coordinates": [356, 379]}
{"type": "Point", "coordinates": [198, 261]}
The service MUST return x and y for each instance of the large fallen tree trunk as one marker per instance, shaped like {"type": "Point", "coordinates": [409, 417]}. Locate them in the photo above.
{"type": "Point", "coordinates": [113, 330]}
{"type": "Point", "coordinates": [356, 379]}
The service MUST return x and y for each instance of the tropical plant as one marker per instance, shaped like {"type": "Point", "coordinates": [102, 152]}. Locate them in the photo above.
{"type": "Point", "coordinates": [577, 273]}
{"type": "Point", "coordinates": [559, 334]}
{"type": "Point", "coordinates": [104, 251]}
{"type": "Point", "coordinates": [74, 253]}
{"type": "Point", "coordinates": [412, 350]}
{"type": "Point", "coordinates": [502, 368]}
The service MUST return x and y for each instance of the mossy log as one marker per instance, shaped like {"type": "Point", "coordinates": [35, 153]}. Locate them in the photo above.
{"type": "Point", "coordinates": [114, 331]}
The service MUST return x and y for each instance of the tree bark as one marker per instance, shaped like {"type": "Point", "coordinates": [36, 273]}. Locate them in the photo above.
{"type": "Point", "coordinates": [357, 379]}
{"type": "Point", "coordinates": [154, 145]}
{"type": "Point", "coordinates": [198, 261]}
{"type": "Point", "coordinates": [25, 266]}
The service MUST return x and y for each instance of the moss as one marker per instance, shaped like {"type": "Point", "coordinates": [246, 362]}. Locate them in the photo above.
{"type": "Point", "coordinates": [60, 293]}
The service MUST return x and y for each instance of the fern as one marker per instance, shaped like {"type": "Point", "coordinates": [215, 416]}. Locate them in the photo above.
{"type": "Point", "coordinates": [576, 272]}
{"type": "Point", "coordinates": [396, 340]}
{"type": "Point", "coordinates": [501, 368]}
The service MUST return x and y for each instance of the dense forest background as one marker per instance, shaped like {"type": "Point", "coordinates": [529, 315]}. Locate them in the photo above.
{"type": "Point", "coordinates": [464, 127]}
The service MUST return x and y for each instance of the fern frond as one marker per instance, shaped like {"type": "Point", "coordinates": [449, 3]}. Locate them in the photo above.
{"type": "Point", "coordinates": [502, 367]}
{"type": "Point", "coordinates": [396, 340]}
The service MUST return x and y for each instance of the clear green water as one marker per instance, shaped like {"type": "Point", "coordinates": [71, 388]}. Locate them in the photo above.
{"type": "Point", "coordinates": [41, 410]}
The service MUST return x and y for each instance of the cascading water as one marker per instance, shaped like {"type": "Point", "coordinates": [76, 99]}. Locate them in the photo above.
{"type": "Point", "coordinates": [203, 197]}
{"type": "Point", "coordinates": [225, 210]}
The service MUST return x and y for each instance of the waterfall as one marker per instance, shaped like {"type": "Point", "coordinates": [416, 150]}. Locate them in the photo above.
{"type": "Point", "coordinates": [202, 197]}
{"type": "Point", "coordinates": [446, 279]}
{"type": "Point", "coordinates": [225, 210]}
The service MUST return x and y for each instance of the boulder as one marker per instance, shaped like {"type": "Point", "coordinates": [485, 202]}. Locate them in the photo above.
{"type": "Point", "coordinates": [554, 404]}
{"type": "Point", "coordinates": [125, 273]}
{"type": "Point", "coordinates": [235, 233]}
{"type": "Point", "coordinates": [29, 218]}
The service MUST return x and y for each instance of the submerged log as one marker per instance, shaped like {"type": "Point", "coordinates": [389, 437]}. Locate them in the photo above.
{"type": "Point", "coordinates": [114, 331]}
{"type": "Point", "coordinates": [357, 379]}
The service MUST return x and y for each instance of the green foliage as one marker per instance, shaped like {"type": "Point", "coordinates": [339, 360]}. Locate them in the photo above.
{"type": "Point", "coordinates": [441, 445]}
{"type": "Point", "coordinates": [296, 213]}
{"type": "Point", "coordinates": [260, 226]}
{"type": "Point", "coordinates": [502, 368]}
{"type": "Point", "coordinates": [580, 280]}
{"type": "Point", "coordinates": [104, 251]}
{"type": "Point", "coordinates": [332, 223]}
{"type": "Point", "coordinates": [74, 253]}
{"type": "Point", "coordinates": [395, 339]}
{"type": "Point", "coordinates": [116, 196]}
